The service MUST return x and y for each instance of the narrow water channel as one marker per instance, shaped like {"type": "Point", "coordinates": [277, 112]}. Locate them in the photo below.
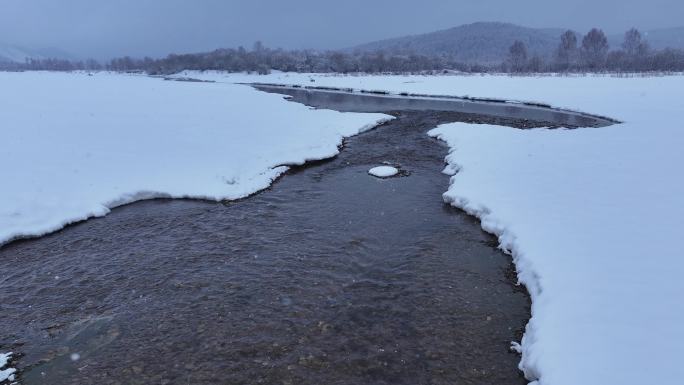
{"type": "Point", "coordinates": [331, 276]}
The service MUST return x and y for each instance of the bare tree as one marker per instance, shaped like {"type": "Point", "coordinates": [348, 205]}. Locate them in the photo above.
{"type": "Point", "coordinates": [258, 46]}
{"type": "Point", "coordinates": [536, 64]}
{"type": "Point", "coordinates": [634, 45]}
{"type": "Point", "coordinates": [338, 62]}
{"type": "Point", "coordinates": [594, 49]}
{"type": "Point", "coordinates": [566, 55]}
{"type": "Point", "coordinates": [517, 56]}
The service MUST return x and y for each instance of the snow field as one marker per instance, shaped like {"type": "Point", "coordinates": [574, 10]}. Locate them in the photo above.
{"type": "Point", "coordinates": [74, 146]}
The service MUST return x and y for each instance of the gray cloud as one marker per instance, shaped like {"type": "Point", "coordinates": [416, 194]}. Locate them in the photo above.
{"type": "Point", "coordinates": [103, 29]}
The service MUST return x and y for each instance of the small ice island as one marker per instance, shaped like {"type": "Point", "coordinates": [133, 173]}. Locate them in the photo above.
{"type": "Point", "coordinates": [383, 171]}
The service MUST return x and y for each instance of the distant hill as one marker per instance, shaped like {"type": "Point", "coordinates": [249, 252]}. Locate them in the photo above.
{"type": "Point", "coordinates": [15, 54]}
{"type": "Point", "coordinates": [488, 42]}
{"type": "Point", "coordinates": [483, 42]}
{"type": "Point", "coordinates": [9, 53]}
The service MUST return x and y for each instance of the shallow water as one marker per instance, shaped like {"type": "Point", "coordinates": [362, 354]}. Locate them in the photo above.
{"type": "Point", "coordinates": [358, 101]}
{"type": "Point", "coordinates": [331, 276]}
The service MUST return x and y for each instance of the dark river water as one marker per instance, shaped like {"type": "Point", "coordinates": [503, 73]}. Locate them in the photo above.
{"type": "Point", "coordinates": [331, 276]}
{"type": "Point", "coordinates": [365, 101]}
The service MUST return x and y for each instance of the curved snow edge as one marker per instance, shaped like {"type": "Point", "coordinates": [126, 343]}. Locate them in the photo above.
{"type": "Point", "coordinates": [507, 243]}
{"type": "Point", "coordinates": [264, 180]}
{"type": "Point", "coordinates": [468, 98]}
{"type": "Point", "coordinates": [6, 373]}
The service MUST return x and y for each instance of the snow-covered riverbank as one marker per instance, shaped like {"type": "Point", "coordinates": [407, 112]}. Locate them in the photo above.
{"type": "Point", "coordinates": [73, 146]}
{"type": "Point", "coordinates": [591, 216]}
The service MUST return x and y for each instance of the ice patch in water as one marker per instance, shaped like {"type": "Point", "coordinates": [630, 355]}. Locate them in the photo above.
{"type": "Point", "coordinates": [383, 171]}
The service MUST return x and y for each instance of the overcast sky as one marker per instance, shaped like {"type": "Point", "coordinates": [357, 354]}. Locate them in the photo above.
{"type": "Point", "coordinates": [105, 28]}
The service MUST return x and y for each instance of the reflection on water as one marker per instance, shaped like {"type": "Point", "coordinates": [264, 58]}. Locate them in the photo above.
{"type": "Point", "coordinates": [330, 277]}
{"type": "Point", "coordinates": [364, 102]}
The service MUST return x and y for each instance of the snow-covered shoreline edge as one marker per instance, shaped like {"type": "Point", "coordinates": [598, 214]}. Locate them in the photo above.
{"type": "Point", "coordinates": [274, 173]}
{"type": "Point", "coordinates": [507, 243]}
{"type": "Point", "coordinates": [7, 373]}
{"type": "Point", "coordinates": [361, 83]}
{"type": "Point", "coordinates": [387, 93]}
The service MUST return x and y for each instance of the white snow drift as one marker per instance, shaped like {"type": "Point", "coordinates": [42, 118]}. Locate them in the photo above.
{"type": "Point", "coordinates": [73, 146]}
{"type": "Point", "coordinates": [383, 171]}
{"type": "Point", "coordinates": [6, 374]}
{"type": "Point", "coordinates": [593, 217]}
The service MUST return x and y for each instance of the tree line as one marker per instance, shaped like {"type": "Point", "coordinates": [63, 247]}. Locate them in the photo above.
{"type": "Point", "coordinates": [262, 60]}
{"type": "Point", "coordinates": [259, 59]}
{"type": "Point", "coordinates": [591, 54]}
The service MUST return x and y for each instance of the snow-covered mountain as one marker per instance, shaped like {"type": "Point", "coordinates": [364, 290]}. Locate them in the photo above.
{"type": "Point", "coordinates": [482, 42]}
{"type": "Point", "coordinates": [9, 53]}
{"type": "Point", "coordinates": [18, 54]}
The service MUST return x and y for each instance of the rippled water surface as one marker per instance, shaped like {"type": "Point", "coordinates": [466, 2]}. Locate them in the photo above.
{"type": "Point", "coordinates": [329, 277]}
